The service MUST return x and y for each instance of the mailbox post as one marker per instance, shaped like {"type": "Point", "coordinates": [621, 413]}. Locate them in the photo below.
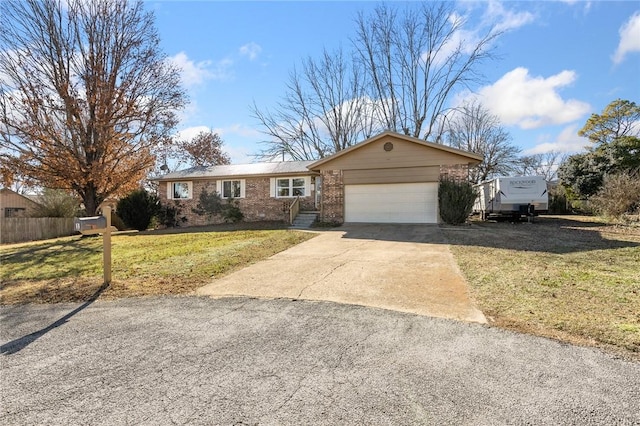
{"type": "Point", "coordinates": [99, 225]}
{"type": "Point", "coordinates": [106, 245]}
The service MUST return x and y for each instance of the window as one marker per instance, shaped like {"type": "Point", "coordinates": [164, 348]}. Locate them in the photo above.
{"type": "Point", "coordinates": [291, 187]}
{"type": "Point", "coordinates": [14, 211]}
{"type": "Point", "coordinates": [179, 190]}
{"type": "Point", "coordinates": [231, 188]}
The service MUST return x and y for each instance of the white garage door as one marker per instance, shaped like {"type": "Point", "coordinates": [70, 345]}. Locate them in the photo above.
{"type": "Point", "coordinates": [392, 203]}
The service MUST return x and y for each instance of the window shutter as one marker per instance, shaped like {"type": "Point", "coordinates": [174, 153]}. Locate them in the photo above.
{"type": "Point", "coordinates": [169, 190]}
{"type": "Point", "coordinates": [242, 187]}
{"type": "Point", "coordinates": [307, 186]}
{"type": "Point", "coordinates": [272, 187]}
{"type": "Point", "coordinates": [219, 187]}
{"type": "Point", "coordinates": [190, 189]}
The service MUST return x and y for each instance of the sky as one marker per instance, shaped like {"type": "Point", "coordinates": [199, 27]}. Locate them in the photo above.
{"type": "Point", "coordinates": [559, 62]}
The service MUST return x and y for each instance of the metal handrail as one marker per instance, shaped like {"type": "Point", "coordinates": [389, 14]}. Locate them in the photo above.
{"type": "Point", "coordinates": [294, 209]}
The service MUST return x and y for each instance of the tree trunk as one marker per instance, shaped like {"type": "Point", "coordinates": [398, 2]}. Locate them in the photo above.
{"type": "Point", "coordinates": [91, 201]}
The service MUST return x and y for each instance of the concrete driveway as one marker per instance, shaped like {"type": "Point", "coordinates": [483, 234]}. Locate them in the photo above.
{"type": "Point", "coordinates": [407, 268]}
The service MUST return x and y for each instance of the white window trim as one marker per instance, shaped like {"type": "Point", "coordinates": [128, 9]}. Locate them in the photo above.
{"type": "Point", "coordinates": [274, 186]}
{"type": "Point", "coordinates": [170, 190]}
{"type": "Point", "coordinates": [219, 186]}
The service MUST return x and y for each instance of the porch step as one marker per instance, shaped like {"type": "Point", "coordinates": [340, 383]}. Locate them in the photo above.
{"type": "Point", "coordinates": [304, 219]}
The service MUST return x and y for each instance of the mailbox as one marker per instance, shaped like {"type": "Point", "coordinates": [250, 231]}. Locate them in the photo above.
{"type": "Point", "coordinates": [90, 225]}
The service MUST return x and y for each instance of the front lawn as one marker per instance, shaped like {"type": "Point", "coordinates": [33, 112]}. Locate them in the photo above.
{"type": "Point", "coordinates": [150, 263]}
{"type": "Point", "coordinates": [570, 278]}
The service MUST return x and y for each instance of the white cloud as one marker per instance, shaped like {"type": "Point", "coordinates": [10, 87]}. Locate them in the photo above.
{"type": "Point", "coordinates": [586, 5]}
{"type": "Point", "coordinates": [250, 50]}
{"type": "Point", "coordinates": [567, 141]}
{"type": "Point", "coordinates": [529, 102]}
{"type": "Point", "coordinates": [506, 19]}
{"type": "Point", "coordinates": [190, 132]}
{"type": "Point", "coordinates": [629, 38]}
{"type": "Point", "coordinates": [496, 17]}
{"type": "Point", "coordinates": [195, 73]}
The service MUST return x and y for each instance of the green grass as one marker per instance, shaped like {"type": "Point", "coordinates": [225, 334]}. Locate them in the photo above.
{"type": "Point", "coordinates": [568, 278]}
{"type": "Point", "coordinates": [145, 263]}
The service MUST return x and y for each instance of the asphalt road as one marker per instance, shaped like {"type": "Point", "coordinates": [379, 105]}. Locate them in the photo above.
{"type": "Point", "coordinates": [191, 360]}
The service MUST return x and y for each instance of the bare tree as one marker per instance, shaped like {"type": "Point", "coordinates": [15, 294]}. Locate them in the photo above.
{"type": "Point", "coordinates": [324, 110]}
{"type": "Point", "coordinates": [474, 129]}
{"type": "Point", "coordinates": [413, 60]}
{"type": "Point", "coordinates": [403, 68]}
{"type": "Point", "coordinates": [545, 164]}
{"type": "Point", "coordinates": [86, 94]}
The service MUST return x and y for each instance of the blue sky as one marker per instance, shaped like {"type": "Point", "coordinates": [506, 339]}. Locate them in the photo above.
{"type": "Point", "coordinates": [560, 61]}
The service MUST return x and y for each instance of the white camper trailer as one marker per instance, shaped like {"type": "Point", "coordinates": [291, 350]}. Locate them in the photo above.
{"type": "Point", "coordinates": [515, 197]}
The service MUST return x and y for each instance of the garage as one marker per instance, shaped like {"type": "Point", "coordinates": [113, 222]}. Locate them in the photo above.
{"type": "Point", "coordinates": [392, 203]}
{"type": "Point", "coordinates": [388, 178]}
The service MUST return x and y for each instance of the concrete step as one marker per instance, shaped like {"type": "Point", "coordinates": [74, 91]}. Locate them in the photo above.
{"type": "Point", "coordinates": [304, 220]}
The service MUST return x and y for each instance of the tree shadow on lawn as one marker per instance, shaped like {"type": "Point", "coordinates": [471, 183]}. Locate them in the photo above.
{"type": "Point", "coordinates": [73, 252]}
{"type": "Point", "coordinates": [558, 235]}
{"type": "Point", "coordinates": [20, 343]}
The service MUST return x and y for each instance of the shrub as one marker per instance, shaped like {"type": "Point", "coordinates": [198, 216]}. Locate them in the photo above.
{"type": "Point", "coordinates": [620, 195]}
{"type": "Point", "coordinates": [558, 201]}
{"type": "Point", "coordinates": [210, 204]}
{"type": "Point", "coordinates": [231, 211]}
{"type": "Point", "coordinates": [171, 215]}
{"type": "Point", "coordinates": [455, 200]}
{"type": "Point", "coordinates": [138, 209]}
{"type": "Point", "coordinates": [56, 203]}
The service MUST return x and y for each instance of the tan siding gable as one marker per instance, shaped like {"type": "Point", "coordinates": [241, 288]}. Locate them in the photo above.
{"type": "Point", "coordinates": [404, 154]}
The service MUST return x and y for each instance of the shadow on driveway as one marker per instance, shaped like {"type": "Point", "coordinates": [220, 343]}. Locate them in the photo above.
{"type": "Point", "coordinates": [20, 343]}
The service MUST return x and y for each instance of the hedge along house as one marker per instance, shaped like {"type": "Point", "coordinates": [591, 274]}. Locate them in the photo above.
{"type": "Point", "coordinates": [389, 178]}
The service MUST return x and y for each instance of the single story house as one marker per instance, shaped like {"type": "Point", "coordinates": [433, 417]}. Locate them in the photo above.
{"type": "Point", "coordinates": [389, 178]}
{"type": "Point", "coordinates": [13, 204]}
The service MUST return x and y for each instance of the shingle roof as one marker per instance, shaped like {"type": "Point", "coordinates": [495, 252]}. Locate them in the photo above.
{"type": "Point", "coordinates": [254, 169]}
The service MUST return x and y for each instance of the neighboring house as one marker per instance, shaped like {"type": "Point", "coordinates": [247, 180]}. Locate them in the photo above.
{"type": "Point", "coordinates": [13, 204]}
{"type": "Point", "coordinates": [389, 178]}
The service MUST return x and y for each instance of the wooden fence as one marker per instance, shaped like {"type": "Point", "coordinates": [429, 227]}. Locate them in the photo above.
{"type": "Point", "coordinates": [19, 229]}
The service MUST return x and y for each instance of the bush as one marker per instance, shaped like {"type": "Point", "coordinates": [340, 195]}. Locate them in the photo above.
{"type": "Point", "coordinates": [455, 200]}
{"type": "Point", "coordinates": [138, 209]}
{"type": "Point", "coordinates": [619, 196]}
{"type": "Point", "coordinates": [171, 215]}
{"type": "Point", "coordinates": [558, 201]}
{"type": "Point", "coordinates": [56, 203]}
{"type": "Point", "coordinates": [231, 212]}
{"type": "Point", "coordinates": [210, 205]}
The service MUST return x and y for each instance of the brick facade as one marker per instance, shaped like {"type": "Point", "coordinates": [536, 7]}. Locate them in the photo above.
{"type": "Point", "coordinates": [456, 172]}
{"type": "Point", "coordinates": [332, 196]}
{"type": "Point", "coordinates": [257, 205]}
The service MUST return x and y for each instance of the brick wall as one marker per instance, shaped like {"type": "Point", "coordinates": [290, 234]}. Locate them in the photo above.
{"type": "Point", "coordinates": [457, 171]}
{"type": "Point", "coordinates": [257, 205]}
{"type": "Point", "coordinates": [332, 196]}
